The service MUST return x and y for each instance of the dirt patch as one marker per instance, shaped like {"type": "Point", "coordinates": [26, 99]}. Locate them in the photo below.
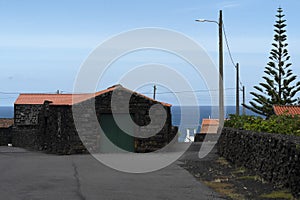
{"type": "Point", "coordinates": [232, 181]}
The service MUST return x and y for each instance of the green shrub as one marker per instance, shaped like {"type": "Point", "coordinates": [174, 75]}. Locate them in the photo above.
{"type": "Point", "coordinates": [283, 124]}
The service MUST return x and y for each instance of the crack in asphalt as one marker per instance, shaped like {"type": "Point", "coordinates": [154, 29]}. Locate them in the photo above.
{"type": "Point", "coordinates": [76, 176]}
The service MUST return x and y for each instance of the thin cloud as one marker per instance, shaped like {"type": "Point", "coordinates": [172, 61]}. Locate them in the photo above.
{"type": "Point", "coordinates": [230, 4]}
{"type": "Point", "coordinates": [49, 41]}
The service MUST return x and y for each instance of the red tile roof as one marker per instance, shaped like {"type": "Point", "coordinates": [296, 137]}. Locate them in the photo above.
{"type": "Point", "coordinates": [288, 110]}
{"type": "Point", "coordinates": [69, 99]}
{"type": "Point", "coordinates": [209, 126]}
{"type": "Point", "coordinates": [5, 123]}
{"type": "Point", "coordinates": [210, 122]}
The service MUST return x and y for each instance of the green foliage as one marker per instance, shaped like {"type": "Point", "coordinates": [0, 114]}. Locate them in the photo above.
{"type": "Point", "coordinates": [281, 194]}
{"type": "Point", "coordinates": [283, 124]}
{"type": "Point", "coordinates": [278, 87]}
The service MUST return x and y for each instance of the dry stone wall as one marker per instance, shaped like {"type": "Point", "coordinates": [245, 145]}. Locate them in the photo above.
{"type": "Point", "coordinates": [275, 157]}
{"type": "Point", "coordinates": [5, 136]}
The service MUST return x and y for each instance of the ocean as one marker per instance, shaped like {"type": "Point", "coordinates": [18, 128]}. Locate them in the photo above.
{"type": "Point", "coordinates": [205, 112]}
{"type": "Point", "coordinates": [6, 111]}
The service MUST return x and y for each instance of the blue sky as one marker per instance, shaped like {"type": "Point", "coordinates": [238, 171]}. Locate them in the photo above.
{"type": "Point", "coordinates": [44, 43]}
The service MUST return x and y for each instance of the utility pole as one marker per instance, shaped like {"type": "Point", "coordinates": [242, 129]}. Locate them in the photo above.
{"type": "Point", "coordinates": [244, 111]}
{"type": "Point", "coordinates": [154, 91]}
{"type": "Point", "coordinates": [237, 103]}
{"type": "Point", "coordinates": [221, 86]}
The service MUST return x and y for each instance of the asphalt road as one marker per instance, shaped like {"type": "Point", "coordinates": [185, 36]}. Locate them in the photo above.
{"type": "Point", "coordinates": [29, 175]}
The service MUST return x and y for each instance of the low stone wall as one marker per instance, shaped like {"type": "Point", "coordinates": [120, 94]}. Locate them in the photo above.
{"type": "Point", "coordinates": [5, 136]}
{"type": "Point", "coordinates": [274, 157]}
{"type": "Point", "coordinates": [200, 137]}
{"type": "Point", "coordinates": [34, 138]}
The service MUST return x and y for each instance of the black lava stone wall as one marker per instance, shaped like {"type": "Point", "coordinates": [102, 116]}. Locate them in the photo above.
{"type": "Point", "coordinates": [5, 136]}
{"type": "Point", "coordinates": [274, 157]}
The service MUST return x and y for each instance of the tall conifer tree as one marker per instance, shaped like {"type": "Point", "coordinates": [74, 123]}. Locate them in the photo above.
{"type": "Point", "coordinates": [278, 87]}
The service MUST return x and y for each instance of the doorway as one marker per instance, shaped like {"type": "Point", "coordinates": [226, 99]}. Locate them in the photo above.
{"type": "Point", "coordinates": [113, 139]}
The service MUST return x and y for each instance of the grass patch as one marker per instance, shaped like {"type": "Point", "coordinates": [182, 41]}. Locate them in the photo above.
{"type": "Point", "coordinates": [225, 189]}
{"type": "Point", "coordinates": [254, 178]}
{"type": "Point", "coordinates": [281, 194]}
{"type": "Point", "coordinates": [222, 161]}
{"type": "Point", "coordinates": [240, 170]}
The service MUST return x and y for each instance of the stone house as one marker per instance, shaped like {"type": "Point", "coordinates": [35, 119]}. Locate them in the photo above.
{"type": "Point", "coordinates": [46, 122]}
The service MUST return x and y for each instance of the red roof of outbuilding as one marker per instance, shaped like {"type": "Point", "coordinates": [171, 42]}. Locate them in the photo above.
{"type": "Point", "coordinates": [69, 99]}
{"type": "Point", "coordinates": [5, 123]}
{"type": "Point", "coordinates": [210, 122]}
{"type": "Point", "coordinates": [209, 126]}
{"type": "Point", "coordinates": [286, 110]}
{"type": "Point", "coordinates": [65, 99]}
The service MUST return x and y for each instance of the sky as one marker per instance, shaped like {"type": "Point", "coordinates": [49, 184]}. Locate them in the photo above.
{"type": "Point", "coordinates": [43, 44]}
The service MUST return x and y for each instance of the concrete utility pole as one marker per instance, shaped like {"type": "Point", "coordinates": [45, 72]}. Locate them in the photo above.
{"type": "Point", "coordinates": [221, 85]}
{"type": "Point", "coordinates": [154, 91]}
{"type": "Point", "coordinates": [237, 103]}
{"type": "Point", "coordinates": [244, 111]}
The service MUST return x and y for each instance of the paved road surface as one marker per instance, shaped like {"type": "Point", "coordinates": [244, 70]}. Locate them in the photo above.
{"type": "Point", "coordinates": [31, 176]}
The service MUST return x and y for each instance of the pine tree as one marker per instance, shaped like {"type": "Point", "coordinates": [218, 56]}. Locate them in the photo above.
{"type": "Point", "coordinates": [279, 87]}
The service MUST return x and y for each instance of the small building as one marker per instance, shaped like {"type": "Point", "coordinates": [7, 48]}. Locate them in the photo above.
{"type": "Point", "coordinates": [209, 129]}
{"type": "Point", "coordinates": [45, 122]}
{"type": "Point", "coordinates": [286, 110]}
{"type": "Point", "coordinates": [5, 131]}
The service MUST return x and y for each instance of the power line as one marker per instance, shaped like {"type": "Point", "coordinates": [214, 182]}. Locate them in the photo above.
{"type": "Point", "coordinates": [17, 93]}
{"type": "Point", "coordinates": [188, 91]}
{"type": "Point", "coordinates": [229, 52]}
{"type": "Point", "coordinates": [241, 84]}
{"type": "Point", "coordinates": [9, 92]}
{"type": "Point", "coordinates": [7, 97]}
